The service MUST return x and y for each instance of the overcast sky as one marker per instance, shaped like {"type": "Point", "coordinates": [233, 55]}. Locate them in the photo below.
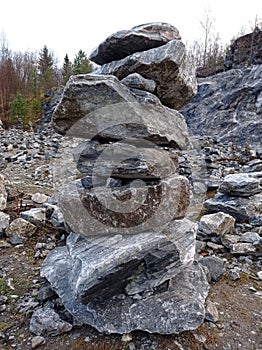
{"type": "Point", "coordinates": [66, 26]}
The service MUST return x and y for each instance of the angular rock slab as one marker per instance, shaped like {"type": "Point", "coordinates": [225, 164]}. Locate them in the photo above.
{"type": "Point", "coordinates": [125, 160]}
{"type": "Point", "coordinates": [242, 185]}
{"type": "Point", "coordinates": [104, 267]}
{"type": "Point", "coordinates": [173, 306]}
{"type": "Point", "coordinates": [127, 42]}
{"type": "Point", "coordinates": [127, 210]}
{"type": "Point", "coordinates": [242, 209]}
{"type": "Point", "coordinates": [216, 224]}
{"type": "Point", "coordinates": [167, 65]}
{"type": "Point", "coordinates": [100, 106]}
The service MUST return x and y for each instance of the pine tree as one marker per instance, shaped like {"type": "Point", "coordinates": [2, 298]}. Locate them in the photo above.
{"type": "Point", "coordinates": [67, 69]}
{"type": "Point", "coordinates": [46, 68]}
{"type": "Point", "coordinates": [82, 64]}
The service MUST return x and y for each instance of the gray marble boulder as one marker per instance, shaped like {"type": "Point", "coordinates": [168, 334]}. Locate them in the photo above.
{"type": "Point", "coordinates": [151, 285]}
{"type": "Point", "coordinates": [127, 42]}
{"type": "Point", "coordinates": [125, 160]}
{"type": "Point", "coordinates": [167, 65]}
{"type": "Point", "coordinates": [101, 106]}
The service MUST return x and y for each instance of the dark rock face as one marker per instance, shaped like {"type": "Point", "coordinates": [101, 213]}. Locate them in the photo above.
{"type": "Point", "coordinates": [228, 106]}
{"type": "Point", "coordinates": [127, 42]}
{"type": "Point", "coordinates": [167, 65]}
{"type": "Point", "coordinates": [245, 50]}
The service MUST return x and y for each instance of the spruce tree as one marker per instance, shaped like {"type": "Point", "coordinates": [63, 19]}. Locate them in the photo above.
{"type": "Point", "coordinates": [67, 69]}
{"type": "Point", "coordinates": [19, 106]}
{"type": "Point", "coordinates": [81, 63]}
{"type": "Point", "coordinates": [46, 68]}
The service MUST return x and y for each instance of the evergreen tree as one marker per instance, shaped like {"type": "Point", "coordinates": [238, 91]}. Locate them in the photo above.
{"type": "Point", "coordinates": [81, 63]}
{"type": "Point", "coordinates": [46, 68]}
{"type": "Point", "coordinates": [34, 83]}
{"type": "Point", "coordinates": [19, 106]}
{"type": "Point", "coordinates": [36, 107]}
{"type": "Point", "coordinates": [67, 69]}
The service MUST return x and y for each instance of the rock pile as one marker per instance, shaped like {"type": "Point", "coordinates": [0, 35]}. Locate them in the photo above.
{"type": "Point", "coordinates": [239, 195]}
{"type": "Point", "coordinates": [129, 261]}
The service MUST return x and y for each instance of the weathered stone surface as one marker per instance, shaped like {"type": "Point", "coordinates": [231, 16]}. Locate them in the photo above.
{"type": "Point", "coordinates": [125, 160]}
{"type": "Point", "coordinates": [167, 65]}
{"type": "Point", "coordinates": [243, 249]}
{"type": "Point", "coordinates": [242, 185]}
{"type": "Point", "coordinates": [127, 42]}
{"type": "Point", "coordinates": [4, 221]}
{"type": "Point", "coordinates": [216, 224]}
{"type": "Point", "coordinates": [3, 194]}
{"type": "Point", "coordinates": [103, 267]}
{"type": "Point", "coordinates": [39, 198]}
{"type": "Point", "coordinates": [250, 237]}
{"type": "Point", "coordinates": [211, 311]}
{"type": "Point", "coordinates": [136, 81]}
{"type": "Point", "coordinates": [169, 308]}
{"type": "Point", "coordinates": [22, 227]}
{"type": "Point", "coordinates": [37, 341]}
{"type": "Point", "coordinates": [105, 108]}
{"type": "Point", "coordinates": [233, 102]}
{"type": "Point", "coordinates": [35, 216]}
{"type": "Point", "coordinates": [46, 321]}
{"type": "Point", "coordinates": [245, 50]}
{"type": "Point", "coordinates": [242, 209]}
{"type": "Point", "coordinates": [215, 266]}
{"type": "Point", "coordinates": [126, 209]}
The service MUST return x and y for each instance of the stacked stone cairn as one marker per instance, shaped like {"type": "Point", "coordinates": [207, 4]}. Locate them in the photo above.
{"type": "Point", "coordinates": [128, 263]}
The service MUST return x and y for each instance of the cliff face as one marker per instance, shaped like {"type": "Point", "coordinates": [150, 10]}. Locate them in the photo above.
{"type": "Point", "coordinates": [245, 50]}
{"type": "Point", "coordinates": [228, 106]}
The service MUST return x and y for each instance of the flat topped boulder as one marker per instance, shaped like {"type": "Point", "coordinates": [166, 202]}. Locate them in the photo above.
{"type": "Point", "coordinates": [241, 185]}
{"type": "Point", "coordinates": [127, 42]}
{"type": "Point", "coordinates": [98, 105]}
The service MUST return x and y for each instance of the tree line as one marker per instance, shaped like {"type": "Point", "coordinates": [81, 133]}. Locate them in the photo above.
{"type": "Point", "coordinates": [25, 77]}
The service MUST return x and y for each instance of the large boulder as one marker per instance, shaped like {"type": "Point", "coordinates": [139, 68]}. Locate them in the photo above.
{"type": "Point", "coordinates": [128, 209]}
{"type": "Point", "coordinates": [167, 65]}
{"type": "Point", "coordinates": [101, 106]}
{"type": "Point", "coordinates": [127, 42]}
{"type": "Point", "coordinates": [149, 286]}
{"type": "Point", "coordinates": [125, 160]}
